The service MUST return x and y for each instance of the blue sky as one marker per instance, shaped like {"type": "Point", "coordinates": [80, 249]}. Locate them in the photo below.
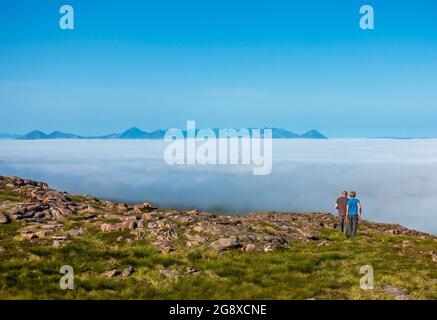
{"type": "Point", "coordinates": [156, 64]}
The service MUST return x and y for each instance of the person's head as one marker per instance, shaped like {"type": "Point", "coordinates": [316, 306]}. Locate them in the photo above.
{"type": "Point", "coordinates": [353, 194]}
{"type": "Point", "coordinates": [344, 194]}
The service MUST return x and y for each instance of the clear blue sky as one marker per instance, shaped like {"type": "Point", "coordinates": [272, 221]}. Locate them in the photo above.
{"type": "Point", "coordinates": [224, 63]}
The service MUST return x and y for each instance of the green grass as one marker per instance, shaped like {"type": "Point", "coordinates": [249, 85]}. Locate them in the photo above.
{"type": "Point", "coordinates": [305, 270]}
{"type": "Point", "coordinates": [8, 195]}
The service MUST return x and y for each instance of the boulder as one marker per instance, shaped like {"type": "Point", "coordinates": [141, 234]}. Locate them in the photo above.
{"type": "Point", "coordinates": [127, 272]}
{"type": "Point", "coordinates": [106, 227]}
{"type": "Point", "coordinates": [268, 248]}
{"type": "Point", "coordinates": [169, 273]}
{"type": "Point", "coordinates": [42, 234]}
{"type": "Point", "coordinates": [74, 233]}
{"type": "Point", "coordinates": [89, 215]}
{"type": "Point", "coordinates": [3, 219]}
{"type": "Point", "coordinates": [433, 254]}
{"type": "Point", "coordinates": [250, 247]}
{"type": "Point", "coordinates": [396, 293]}
{"type": "Point", "coordinates": [144, 207]}
{"type": "Point", "coordinates": [225, 244]}
{"type": "Point", "coordinates": [151, 225]}
{"type": "Point", "coordinates": [57, 243]}
{"type": "Point", "coordinates": [90, 210]}
{"type": "Point", "coordinates": [110, 274]}
{"type": "Point", "coordinates": [28, 236]}
{"type": "Point", "coordinates": [192, 270]}
{"type": "Point", "coordinates": [164, 246]}
{"type": "Point", "coordinates": [122, 207]}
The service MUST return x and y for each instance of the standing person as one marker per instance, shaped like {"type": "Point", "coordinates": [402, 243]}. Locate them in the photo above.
{"type": "Point", "coordinates": [341, 206]}
{"type": "Point", "coordinates": [353, 214]}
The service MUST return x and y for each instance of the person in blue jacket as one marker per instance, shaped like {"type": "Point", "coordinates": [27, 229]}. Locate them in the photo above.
{"type": "Point", "coordinates": [353, 214]}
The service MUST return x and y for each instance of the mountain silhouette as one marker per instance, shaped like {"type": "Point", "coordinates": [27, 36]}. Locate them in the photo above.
{"type": "Point", "coordinates": [135, 133]}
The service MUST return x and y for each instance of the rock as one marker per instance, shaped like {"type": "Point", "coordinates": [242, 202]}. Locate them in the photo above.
{"type": "Point", "coordinates": [169, 273]}
{"type": "Point", "coordinates": [90, 210]}
{"type": "Point", "coordinates": [149, 206]}
{"type": "Point", "coordinates": [57, 244]}
{"type": "Point", "coordinates": [151, 225]}
{"type": "Point", "coordinates": [194, 240]}
{"type": "Point", "coordinates": [322, 243]}
{"type": "Point", "coordinates": [397, 294]}
{"type": "Point", "coordinates": [406, 243]}
{"type": "Point", "coordinates": [194, 212]}
{"type": "Point", "coordinates": [192, 270]}
{"type": "Point", "coordinates": [144, 207]}
{"type": "Point", "coordinates": [106, 227]}
{"type": "Point", "coordinates": [3, 219]}
{"type": "Point", "coordinates": [59, 238]}
{"type": "Point", "coordinates": [64, 211]}
{"type": "Point", "coordinates": [225, 244]}
{"type": "Point", "coordinates": [313, 237]}
{"type": "Point", "coordinates": [127, 272]}
{"type": "Point", "coordinates": [433, 254]}
{"type": "Point", "coordinates": [89, 215]}
{"type": "Point", "coordinates": [28, 236]}
{"type": "Point", "coordinates": [161, 223]}
{"type": "Point", "coordinates": [140, 224]}
{"type": "Point", "coordinates": [139, 235]}
{"type": "Point", "coordinates": [74, 233]}
{"type": "Point", "coordinates": [110, 274]}
{"type": "Point", "coordinates": [268, 248]}
{"type": "Point", "coordinates": [122, 207]}
{"type": "Point", "coordinates": [164, 246]}
{"type": "Point", "coordinates": [393, 231]}
{"type": "Point", "coordinates": [250, 247]}
{"type": "Point", "coordinates": [108, 204]}
{"type": "Point", "coordinates": [111, 216]}
{"type": "Point", "coordinates": [132, 225]}
{"type": "Point", "coordinates": [42, 234]}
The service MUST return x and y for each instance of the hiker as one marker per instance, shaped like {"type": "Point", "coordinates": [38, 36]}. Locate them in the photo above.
{"type": "Point", "coordinates": [341, 206]}
{"type": "Point", "coordinates": [353, 214]}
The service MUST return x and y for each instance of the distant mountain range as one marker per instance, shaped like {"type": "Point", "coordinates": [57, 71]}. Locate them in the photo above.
{"type": "Point", "coordinates": [8, 136]}
{"type": "Point", "coordinates": [135, 133]}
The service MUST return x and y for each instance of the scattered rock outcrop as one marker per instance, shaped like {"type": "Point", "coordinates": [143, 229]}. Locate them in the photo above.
{"type": "Point", "coordinates": [44, 212]}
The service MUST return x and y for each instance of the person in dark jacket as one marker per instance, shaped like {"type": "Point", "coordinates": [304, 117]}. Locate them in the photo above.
{"type": "Point", "coordinates": [341, 206]}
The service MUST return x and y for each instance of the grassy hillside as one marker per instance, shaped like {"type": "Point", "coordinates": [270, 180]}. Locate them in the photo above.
{"type": "Point", "coordinates": [324, 269]}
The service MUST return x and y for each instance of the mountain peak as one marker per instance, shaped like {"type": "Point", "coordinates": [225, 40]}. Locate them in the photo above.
{"type": "Point", "coordinates": [132, 133]}
{"type": "Point", "coordinates": [313, 134]}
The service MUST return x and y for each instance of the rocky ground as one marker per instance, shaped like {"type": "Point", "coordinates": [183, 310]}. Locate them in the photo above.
{"type": "Point", "coordinates": [44, 210]}
{"type": "Point", "coordinates": [46, 216]}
